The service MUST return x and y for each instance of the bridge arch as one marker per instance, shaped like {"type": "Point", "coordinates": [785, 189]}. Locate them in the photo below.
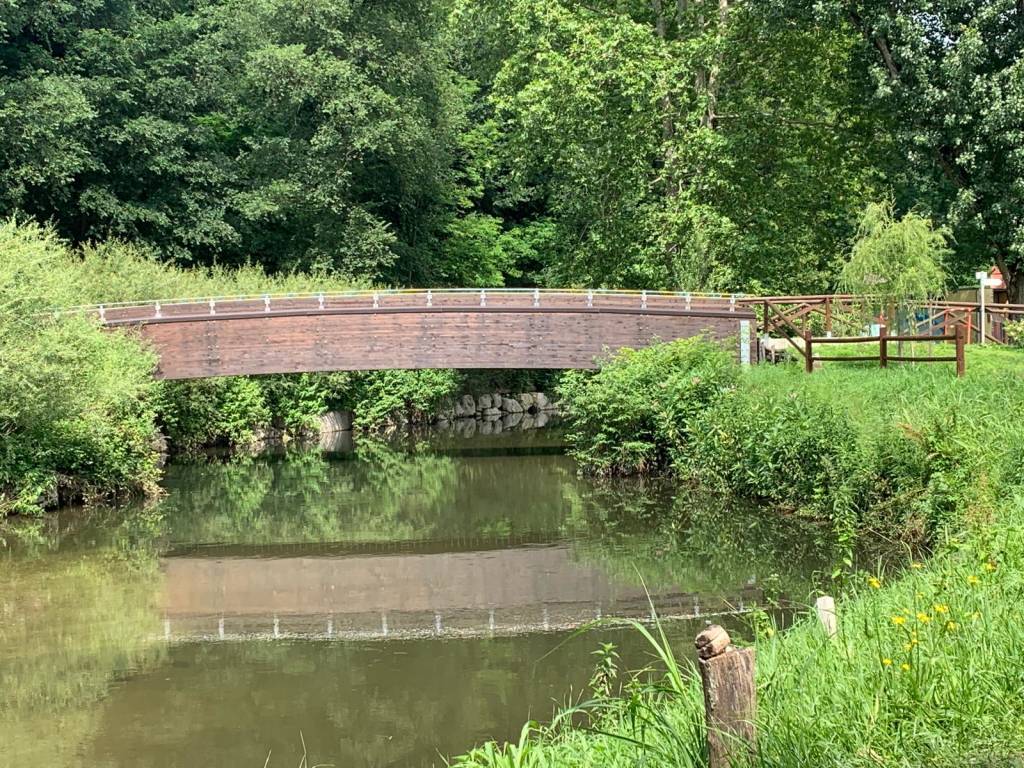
{"type": "Point", "coordinates": [444, 328]}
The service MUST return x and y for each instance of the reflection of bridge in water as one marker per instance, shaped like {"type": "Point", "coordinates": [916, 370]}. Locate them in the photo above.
{"type": "Point", "coordinates": [362, 592]}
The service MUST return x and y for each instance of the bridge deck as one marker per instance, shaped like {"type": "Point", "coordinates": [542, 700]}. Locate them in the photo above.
{"type": "Point", "coordinates": [450, 328]}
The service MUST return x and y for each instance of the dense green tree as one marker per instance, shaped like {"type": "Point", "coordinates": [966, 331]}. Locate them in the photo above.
{"type": "Point", "coordinates": [949, 75]}
{"type": "Point", "coordinates": [312, 134]}
{"type": "Point", "coordinates": [683, 145]}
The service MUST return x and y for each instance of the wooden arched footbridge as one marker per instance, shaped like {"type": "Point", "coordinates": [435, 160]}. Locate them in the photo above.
{"type": "Point", "coordinates": [449, 328]}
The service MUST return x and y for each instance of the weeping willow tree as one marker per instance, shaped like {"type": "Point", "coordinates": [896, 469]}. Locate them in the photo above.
{"type": "Point", "coordinates": [897, 263]}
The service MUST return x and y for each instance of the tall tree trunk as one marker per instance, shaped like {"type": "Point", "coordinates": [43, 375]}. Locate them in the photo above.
{"type": "Point", "coordinates": [668, 124]}
{"type": "Point", "coordinates": [710, 119]}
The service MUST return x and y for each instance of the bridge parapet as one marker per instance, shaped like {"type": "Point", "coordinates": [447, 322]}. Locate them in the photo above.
{"type": "Point", "coordinates": [435, 328]}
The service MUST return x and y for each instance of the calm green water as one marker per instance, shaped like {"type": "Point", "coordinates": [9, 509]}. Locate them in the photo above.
{"type": "Point", "coordinates": [384, 606]}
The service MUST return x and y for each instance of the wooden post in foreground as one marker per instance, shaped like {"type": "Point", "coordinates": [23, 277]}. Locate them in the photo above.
{"type": "Point", "coordinates": [883, 346]}
{"type": "Point", "coordinates": [730, 698]}
{"type": "Point", "coordinates": [808, 353]}
{"type": "Point", "coordinates": [825, 607]}
{"type": "Point", "coordinates": [961, 362]}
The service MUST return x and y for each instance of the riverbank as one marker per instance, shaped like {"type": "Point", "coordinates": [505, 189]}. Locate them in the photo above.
{"type": "Point", "coordinates": [926, 661]}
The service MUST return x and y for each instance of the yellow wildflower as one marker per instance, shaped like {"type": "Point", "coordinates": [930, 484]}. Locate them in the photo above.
{"type": "Point", "coordinates": [887, 662]}
{"type": "Point", "coordinates": [988, 567]}
{"type": "Point", "coordinates": [917, 566]}
{"type": "Point", "coordinates": [951, 626]}
{"type": "Point", "coordinates": [941, 608]}
{"type": "Point", "coordinates": [905, 667]}
{"type": "Point", "coordinates": [874, 583]}
{"type": "Point", "coordinates": [899, 620]}
{"type": "Point", "coordinates": [923, 617]}
{"type": "Point", "coordinates": [972, 579]}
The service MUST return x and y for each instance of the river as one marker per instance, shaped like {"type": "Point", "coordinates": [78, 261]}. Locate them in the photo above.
{"type": "Point", "coordinates": [386, 605]}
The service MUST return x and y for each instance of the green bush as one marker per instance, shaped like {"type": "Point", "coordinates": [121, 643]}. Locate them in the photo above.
{"type": "Point", "coordinates": [76, 403]}
{"type": "Point", "coordinates": [383, 398]}
{"type": "Point", "coordinates": [628, 416]}
{"type": "Point", "coordinates": [787, 449]}
{"type": "Point", "coordinates": [908, 451]}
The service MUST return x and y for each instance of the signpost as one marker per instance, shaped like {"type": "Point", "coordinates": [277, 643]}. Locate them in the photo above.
{"type": "Point", "coordinates": [984, 281]}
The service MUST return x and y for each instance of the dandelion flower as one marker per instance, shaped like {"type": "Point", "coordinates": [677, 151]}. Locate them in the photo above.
{"type": "Point", "coordinates": [899, 620]}
{"type": "Point", "coordinates": [887, 662]}
{"type": "Point", "coordinates": [874, 583]}
{"type": "Point", "coordinates": [905, 667]}
{"type": "Point", "coordinates": [988, 567]}
{"type": "Point", "coordinates": [972, 579]}
{"type": "Point", "coordinates": [941, 608]}
{"type": "Point", "coordinates": [917, 566]}
{"type": "Point", "coordinates": [951, 626]}
{"type": "Point", "coordinates": [923, 617]}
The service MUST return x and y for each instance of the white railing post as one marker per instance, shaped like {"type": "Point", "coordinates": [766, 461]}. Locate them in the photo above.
{"type": "Point", "coordinates": [213, 307]}
{"type": "Point", "coordinates": [732, 302]}
{"type": "Point", "coordinates": [590, 299]}
{"type": "Point", "coordinates": [103, 314]}
{"type": "Point", "coordinates": [266, 302]}
{"type": "Point", "coordinates": [376, 300]}
{"type": "Point", "coordinates": [157, 310]}
{"type": "Point", "coordinates": [320, 301]}
{"type": "Point", "coordinates": [430, 298]}
{"type": "Point", "coordinates": [483, 298]}
{"type": "Point", "coordinates": [689, 300]}
{"type": "Point", "coordinates": [536, 297]}
{"type": "Point", "coordinates": [643, 299]}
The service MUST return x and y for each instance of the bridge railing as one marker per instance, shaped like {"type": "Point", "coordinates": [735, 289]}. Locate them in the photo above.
{"type": "Point", "coordinates": [426, 299]}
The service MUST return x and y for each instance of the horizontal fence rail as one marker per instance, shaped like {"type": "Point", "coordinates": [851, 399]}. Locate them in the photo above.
{"type": "Point", "coordinates": [883, 357]}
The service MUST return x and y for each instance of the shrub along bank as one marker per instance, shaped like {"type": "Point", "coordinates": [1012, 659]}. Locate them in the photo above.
{"type": "Point", "coordinates": [909, 451]}
{"type": "Point", "coordinates": [925, 669]}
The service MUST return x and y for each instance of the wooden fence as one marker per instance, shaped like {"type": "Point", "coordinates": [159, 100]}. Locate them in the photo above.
{"type": "Point", "coordinates": [883, 357]}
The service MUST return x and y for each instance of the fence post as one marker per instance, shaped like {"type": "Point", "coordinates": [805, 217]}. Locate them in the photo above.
{"type": "Point", "coordinates": [808, 353]}
{"type": "Point", "coordinates": [730, 698]}
{"type": "Point", "coordinates": [961, 363]}
{"type": "Point", "coordinates": [883, 346]}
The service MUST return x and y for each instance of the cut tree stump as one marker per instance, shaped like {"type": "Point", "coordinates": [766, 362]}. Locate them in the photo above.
{"type": "Point", "coordinates": [730, 698]}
